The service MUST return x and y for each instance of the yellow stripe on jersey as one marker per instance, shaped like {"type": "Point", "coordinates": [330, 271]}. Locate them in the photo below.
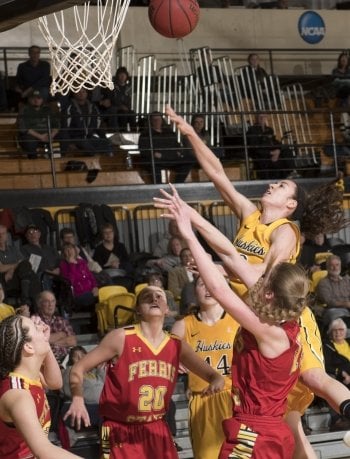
{"type": "Point", "coordinates": [247, 439]}
{"type": "Point", "coordinates": [311, 341]}
{"type": "Point", "coordinates": [105, 442]}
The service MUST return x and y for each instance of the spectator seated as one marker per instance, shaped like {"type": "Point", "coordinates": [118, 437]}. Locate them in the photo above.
{"type": "Point", "coordinates": [34, 121]}
{"type": "Point", "coordinates": [336, 349]}
{"type": "Point", "coordinates": [81, 123]}
{"type": "Point", "coordinates": [334, 291]}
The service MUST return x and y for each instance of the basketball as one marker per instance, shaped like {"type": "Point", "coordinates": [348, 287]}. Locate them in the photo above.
{"type": "Point", "coordinates": [173, 18]}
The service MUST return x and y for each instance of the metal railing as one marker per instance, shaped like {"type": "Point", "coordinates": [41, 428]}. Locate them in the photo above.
{"type": "Point", "coordinates": [276, 61]}
{"type": "Point", "coordinates": [302, 137]}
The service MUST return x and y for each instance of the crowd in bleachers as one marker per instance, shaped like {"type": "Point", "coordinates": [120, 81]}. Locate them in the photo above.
{"type": "Point", "coordinates": [31, 262]}
{"type": "Point", "coordinates": [98, 274]}
{"type": "Point", "coordinates": [228, 99]}
{"type": "Point", "coordinates": [33, 270]}
{"type": "Point", "coordinates": [56, 282]}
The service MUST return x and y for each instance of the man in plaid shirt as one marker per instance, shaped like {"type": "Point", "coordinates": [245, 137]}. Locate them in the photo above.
{"type": "Point", "coordinates": [62, 336]}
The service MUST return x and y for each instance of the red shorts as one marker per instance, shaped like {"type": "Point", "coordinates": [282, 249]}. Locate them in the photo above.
{"type": "Point", "coordinates": [257, 437]}
{"type": "Point", "coordinates": [137, 441]}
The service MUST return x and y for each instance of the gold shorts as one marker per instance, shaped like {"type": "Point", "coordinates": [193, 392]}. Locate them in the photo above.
{"type": "Point", "coordinates": [301, 396]}
{"type": "Point", "coordinates": [205, 419]}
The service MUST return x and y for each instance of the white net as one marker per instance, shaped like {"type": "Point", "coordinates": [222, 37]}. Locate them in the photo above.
{"type": "Point", "coordinates": [82, 55]}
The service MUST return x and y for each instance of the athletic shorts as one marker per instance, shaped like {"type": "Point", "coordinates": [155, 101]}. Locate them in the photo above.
{"type": "Point", "coordinates": [205, 419]}
{"type": "Point", "coordinates": [257, 437]}
{"type": "Point", "coordinates": [137, 441]}
{"type": "Point", "coordinates": [301, 396]}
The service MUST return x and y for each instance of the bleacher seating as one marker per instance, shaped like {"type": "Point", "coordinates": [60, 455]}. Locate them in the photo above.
{"type": "Point", "coordinates": [137, 225]}
{"type": "Point", "coordinates": [8, 134]}
{"type": "Point", "coordinates": [145, 216]}
{"type": "Point", "coordinates": [18, 173]}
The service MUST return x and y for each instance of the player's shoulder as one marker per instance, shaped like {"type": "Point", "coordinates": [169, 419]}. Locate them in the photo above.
{"type": "Point", "coordinates": [14, 389]}
{"type": "Point", "coordinates": [129, 330]}
{"type": "Point", "coordinates": [283, 228]}
{"type": "Point", "coordinates": [173, 336]}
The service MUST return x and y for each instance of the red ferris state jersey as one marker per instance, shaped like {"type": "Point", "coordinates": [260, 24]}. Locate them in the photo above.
{"type": "Point", "coordinates": [253, 242]}
{"type": "Point", "coordinates": [12, 444]}
{"type": "Point", "coordinates": [212, 343]}
{"type": "Point", "coordinates": [261, 384]}
{"type": "Point", "coordinates": [139, 385]}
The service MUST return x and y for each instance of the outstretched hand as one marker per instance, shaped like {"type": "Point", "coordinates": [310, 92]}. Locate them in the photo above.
{"type": "Point", "coordinates": [78, 413]}
{"type": "Point", "coordinates": [176, 209]}
{"type": "Point", "coordinates": [167, 201]}
{"type": "Point", "coordinates": [182, 125]}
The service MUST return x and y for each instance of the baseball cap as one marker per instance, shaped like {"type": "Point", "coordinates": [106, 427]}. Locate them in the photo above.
{"type": "Point", "coordinates": [36, 93]}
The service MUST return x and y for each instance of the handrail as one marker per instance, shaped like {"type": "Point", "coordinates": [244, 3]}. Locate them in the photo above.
{"type": "Point", "coordinates": [19, 54]}
{"type": "Point", "coordinates": [236, 149]}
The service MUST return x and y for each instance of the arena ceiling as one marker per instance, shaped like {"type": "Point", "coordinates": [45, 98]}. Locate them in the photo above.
{"type": "Point", "coordinates": [16, 12]}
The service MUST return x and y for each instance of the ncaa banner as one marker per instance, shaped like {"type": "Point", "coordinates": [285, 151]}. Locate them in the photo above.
{"type": "Point", "coordinates": [311, 27]}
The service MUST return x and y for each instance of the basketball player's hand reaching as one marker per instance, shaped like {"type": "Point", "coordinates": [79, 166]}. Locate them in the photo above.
{"type": "Point", "coordinates": [77, 413]}
{"type": "Point", "coordinates": [217, 384]}
{"type": "Point", "coordinates": [182, 125]}
{"type": "Point", "coordinates": [176, 209]}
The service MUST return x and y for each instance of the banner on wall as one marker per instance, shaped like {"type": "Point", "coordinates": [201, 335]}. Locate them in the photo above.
{"type": "Point", "coordinates": [311, 27]}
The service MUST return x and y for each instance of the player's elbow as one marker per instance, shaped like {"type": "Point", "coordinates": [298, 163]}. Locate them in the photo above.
{"type": "Point", "coordinates": [315, 379]}
{"type": "Point", "coordinates": [56, 384]}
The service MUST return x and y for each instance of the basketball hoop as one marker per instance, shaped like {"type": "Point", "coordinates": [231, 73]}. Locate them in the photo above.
{"type": "Point", "coordinates": [83, 58]}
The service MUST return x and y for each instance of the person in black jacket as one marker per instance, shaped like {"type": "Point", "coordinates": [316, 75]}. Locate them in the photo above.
{"type": "Point", "coordinates": [112, 256]}
{"type": "Point", "coordinates": [336, 350]}
{"type": "Point", "coordinates": [270, 158]}
{"type": "Point", "coordinates": [115, 104]}
{"type": "Point", "coordinates": [160, 143]}
{"type": "Point", "coordinates": [311, 247]}
{"type": "Point", "coordinates": [38, 125]}
{"type": "Point", "coordinates": [81, 122]}
{"type": "Point", "coordinates": [32, 75]}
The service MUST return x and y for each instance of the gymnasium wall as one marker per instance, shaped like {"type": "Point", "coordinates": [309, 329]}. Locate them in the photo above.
{"type": "Point", "coordinates": [239, 28]}
{"type": "Point", "coordinates": [235, 28]}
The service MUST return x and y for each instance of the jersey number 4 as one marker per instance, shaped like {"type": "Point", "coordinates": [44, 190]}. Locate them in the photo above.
{"type": "Point", "coordinates": [222, 367]}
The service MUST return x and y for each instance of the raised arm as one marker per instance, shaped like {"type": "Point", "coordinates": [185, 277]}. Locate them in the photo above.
{"type": "Point", "coordinates": [212, 166]}
{"type": "Point", "coordinates": [213, 279]}
{"type": "Point", "coordinates": [284, 244]}
{"type": "Point", "coordinates": [51, 372]}
{"type": "Point", "coordinates": [111, 346]}
{"type": "Point", "coordinates": [233, 262]}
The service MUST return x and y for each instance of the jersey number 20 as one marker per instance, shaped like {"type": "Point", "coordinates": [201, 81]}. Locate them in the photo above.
{"type": "Point", "coordinates": [151, 398]}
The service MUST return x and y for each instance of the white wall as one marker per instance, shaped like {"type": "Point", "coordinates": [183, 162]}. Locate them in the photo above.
{"type": "Point", "coordinates": [239, 28]}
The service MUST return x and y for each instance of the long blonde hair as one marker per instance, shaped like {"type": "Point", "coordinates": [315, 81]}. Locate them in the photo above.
{"type": "Point", "coordinates": [289, 287]}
